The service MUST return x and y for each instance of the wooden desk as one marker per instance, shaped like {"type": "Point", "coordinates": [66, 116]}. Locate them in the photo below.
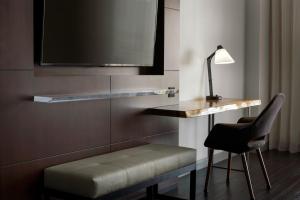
{"type": "Point", "coordinates": [201, 107]}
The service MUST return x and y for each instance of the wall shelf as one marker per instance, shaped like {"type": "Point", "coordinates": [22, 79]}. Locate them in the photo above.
{"type": "Point", "coordinates": [171, 92]}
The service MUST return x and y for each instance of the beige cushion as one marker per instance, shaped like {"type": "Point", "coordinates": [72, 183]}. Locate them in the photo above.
{"type": "Point", "coordinates": [100, 175]}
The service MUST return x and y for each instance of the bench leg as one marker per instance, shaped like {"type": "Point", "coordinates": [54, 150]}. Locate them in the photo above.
{"type": "Point", "coordinates": [45, 196]}
{"type": "Point", "coordinates": [193, 185]}
{"type": "Point", "coordinates": [150, 193]}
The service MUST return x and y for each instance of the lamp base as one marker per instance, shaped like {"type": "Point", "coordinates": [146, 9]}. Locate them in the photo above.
{"type": "Point", "coordinates": [214, 98]}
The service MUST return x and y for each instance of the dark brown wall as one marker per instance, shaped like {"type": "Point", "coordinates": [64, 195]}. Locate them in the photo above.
{"type": "Point", "coordinates": [34, 136]}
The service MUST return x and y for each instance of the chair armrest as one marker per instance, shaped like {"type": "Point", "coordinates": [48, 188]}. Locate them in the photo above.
{"type": "Point", "coordinates": [246, 119]}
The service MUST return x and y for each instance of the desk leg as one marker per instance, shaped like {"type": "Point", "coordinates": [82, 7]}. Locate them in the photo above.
{"type": "Point", "coordinates": [211, 123]}
{"type": "Point", "coordinates": [248, 115]}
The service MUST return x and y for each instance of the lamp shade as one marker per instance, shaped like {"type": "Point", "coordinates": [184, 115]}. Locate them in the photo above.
{"type": "Point", "coordinates": [223, 57]}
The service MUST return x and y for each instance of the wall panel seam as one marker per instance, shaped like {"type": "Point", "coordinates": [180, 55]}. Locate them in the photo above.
{"type": "Point", "coordinates": [54, 156]}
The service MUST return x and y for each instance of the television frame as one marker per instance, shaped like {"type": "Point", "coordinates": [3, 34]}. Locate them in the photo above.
{"type": "Point", "coordinates": [158, 63]}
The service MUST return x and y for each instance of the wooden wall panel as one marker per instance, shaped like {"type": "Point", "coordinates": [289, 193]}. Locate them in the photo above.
{"type": "Point", "coordinates": [128, 144]}
{"type": "Point", "coordinates": [169, 138]}
{"type": "Point", "coordinates": [35, 136]}
{"type": "Point", "coordinates": [33, 130]}
{"type": "Point", "coordinates": [16, 34]}
{"type": "Point", "coordinates": [24, 181]}
{"type": "Point", "coordinates": [128, 120]}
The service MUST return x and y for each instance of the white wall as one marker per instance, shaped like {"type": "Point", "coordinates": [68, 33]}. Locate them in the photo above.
{"type": "Point", "coordinates": [204, 25]}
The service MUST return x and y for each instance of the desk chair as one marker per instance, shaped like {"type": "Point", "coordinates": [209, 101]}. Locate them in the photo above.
{"type": "Point", "coordinates": [248, 134]}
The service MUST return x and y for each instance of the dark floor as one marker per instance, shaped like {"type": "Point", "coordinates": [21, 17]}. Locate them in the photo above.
{"type": "Point", "coordinates": [284, 173]}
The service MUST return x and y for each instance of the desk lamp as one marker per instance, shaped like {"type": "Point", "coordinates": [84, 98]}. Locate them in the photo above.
{"type": "Point", "coordinates": [221, 57]}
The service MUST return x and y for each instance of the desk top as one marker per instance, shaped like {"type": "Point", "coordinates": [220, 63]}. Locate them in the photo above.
{"type": "Point", "coordinates": [201, 107]}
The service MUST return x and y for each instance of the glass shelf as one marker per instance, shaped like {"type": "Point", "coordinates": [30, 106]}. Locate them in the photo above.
{"type": "Point", "coordinates": [171, 92]}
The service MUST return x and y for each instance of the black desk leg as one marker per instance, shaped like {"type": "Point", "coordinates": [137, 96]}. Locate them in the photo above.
{"type": "Point", "coordinates": [211, 123]}
{"type": "Point", "coordinates": [193, 185]}
{"type": "Point", "coordinates": [248, 115]}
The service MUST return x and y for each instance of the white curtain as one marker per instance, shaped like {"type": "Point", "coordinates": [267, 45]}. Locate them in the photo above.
{"type": "Point", "coordinates": [284, 72]}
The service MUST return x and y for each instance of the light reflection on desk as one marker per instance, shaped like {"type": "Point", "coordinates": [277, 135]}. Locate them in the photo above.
{"type": "Point", "coordinates": [201, 107]}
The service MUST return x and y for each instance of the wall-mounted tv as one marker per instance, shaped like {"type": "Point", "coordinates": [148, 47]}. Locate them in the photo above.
{"type": "Point", "coordinates": [99, 32]}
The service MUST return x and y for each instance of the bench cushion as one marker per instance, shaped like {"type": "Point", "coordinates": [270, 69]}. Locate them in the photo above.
{"type": "Point", "coordinates": [100, 175]}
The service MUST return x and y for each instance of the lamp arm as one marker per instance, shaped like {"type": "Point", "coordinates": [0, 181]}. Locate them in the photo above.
{"type": "Point", "coordinates": [211, 56]}
{"type": "Point", "coordinates": [211, 92]}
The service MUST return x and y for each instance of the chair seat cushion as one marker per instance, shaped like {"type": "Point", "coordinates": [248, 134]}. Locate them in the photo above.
{"type": "Point", "coordinates": [229, 137]}
{"type": "Point", "coordinates": [246, 119]}
{"type": "Point", "coordinates": [100, 175]}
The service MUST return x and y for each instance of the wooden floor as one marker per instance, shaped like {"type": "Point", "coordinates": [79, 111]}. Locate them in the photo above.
{"type": "Point", "coordinates": [284, 173]}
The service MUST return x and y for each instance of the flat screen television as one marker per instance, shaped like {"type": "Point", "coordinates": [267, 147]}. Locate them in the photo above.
{"type": "Point", "coordinates": [99, 33]}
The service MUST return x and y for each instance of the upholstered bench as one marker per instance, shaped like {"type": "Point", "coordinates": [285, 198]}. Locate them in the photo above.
{"type": "Point", "coordinates": [118, 173]}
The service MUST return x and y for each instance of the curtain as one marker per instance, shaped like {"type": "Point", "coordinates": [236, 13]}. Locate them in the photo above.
{"type": "Point", "coordinates": [284, 72]}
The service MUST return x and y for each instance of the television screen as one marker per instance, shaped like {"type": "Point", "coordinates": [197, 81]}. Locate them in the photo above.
{"type": "Point", "coordinates": [99, 32]}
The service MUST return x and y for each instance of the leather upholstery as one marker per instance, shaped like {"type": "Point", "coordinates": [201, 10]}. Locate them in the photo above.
{"type": "Point", "coordinates": [246, 119]}
{"type": "Point", "coordinates": [248, 133]}
{"type": "Point", "coordinates": [263, 123]}
{"type": "Point", "coordinates": [100, 175]}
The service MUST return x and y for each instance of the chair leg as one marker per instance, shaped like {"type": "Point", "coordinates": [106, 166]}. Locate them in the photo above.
{"type": "Point", "coordinates": [262, 164]}
{"type": "Point", "coordinates": [246, 169]}
{"type": "Point", "coordinates": [210, 163]}
{"type": "Point", "coordinates": [228, 168]}
{"type": "Point", "coordinates": [193, 185]}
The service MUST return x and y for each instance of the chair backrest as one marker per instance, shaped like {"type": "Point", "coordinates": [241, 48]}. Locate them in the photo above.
{"type": "Point", "coordinates": [264, 122]}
